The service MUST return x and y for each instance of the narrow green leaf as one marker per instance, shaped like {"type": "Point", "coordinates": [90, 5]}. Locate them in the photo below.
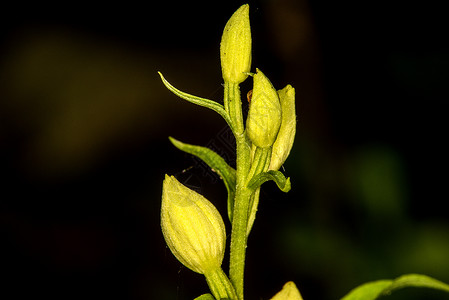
{"type": "Point", "coordinates": [198, 100]}
{"type": "Point", "coordinates": [216, 163]}
{"type": "Point", "coordinates": [416, 280]}
{"type": "Point", "coordinates": [282, 182]}
{"type": "Point", "coordinates": [368, 291]}
{"type": "Point", "coordinates": [375, 289]}
{"type": "Point", "coordinates": [205, 297]}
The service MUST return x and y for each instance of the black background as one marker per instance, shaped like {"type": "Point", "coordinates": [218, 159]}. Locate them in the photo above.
{"type": "Point", "coordinates": [84, 121]}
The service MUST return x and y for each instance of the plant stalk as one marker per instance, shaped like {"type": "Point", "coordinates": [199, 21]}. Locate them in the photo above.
{"type": "Point", "coordinates": [233, 105]}
{"type": "Point", "coordinates": [239, 231]}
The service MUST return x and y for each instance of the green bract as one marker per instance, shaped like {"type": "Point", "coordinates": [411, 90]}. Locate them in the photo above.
{"type": "Point", "coordinates": [264, 115]}
{"type": "Point", "coordinates": [286, 135]}
{"type": "Point", "coordinates": [192, 227]}
{"type": "Point", "coordinates": [235, 47]}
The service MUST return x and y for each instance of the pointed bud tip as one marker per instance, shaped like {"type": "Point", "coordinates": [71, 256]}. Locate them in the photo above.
{"type": "Point", "coordinates": [264, 115]}
{"type": "Point", "coordinates": [235, 47]}
{"type": "Point", "coordinates": [289, 292]}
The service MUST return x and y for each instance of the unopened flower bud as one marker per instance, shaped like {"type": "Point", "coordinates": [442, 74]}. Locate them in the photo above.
{"type": "Point", "coordinates": [288, 292]}
{"type": "Point", "coordinates": [235, 47]}
{"type": "Point", "coordinates": [192, 227]}
{"type": "Point", "coordinates": [264, 115]}
{"type": "Point", "coordinates": [286, 135]}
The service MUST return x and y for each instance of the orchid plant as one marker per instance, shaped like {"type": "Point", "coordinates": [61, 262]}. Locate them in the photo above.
{"type": "Point", "coordinates": [192, 227]}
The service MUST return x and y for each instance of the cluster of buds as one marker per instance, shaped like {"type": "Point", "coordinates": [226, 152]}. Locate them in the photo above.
{"type": "Point", "coordinates": [192, 227]}
{"type": "Point", "coordinates": [271, 120]}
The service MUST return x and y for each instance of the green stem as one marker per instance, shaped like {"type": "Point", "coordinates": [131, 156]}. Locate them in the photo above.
{"type": "Point", "coordinates": [219, 285]}
{"type": "Point", "coordinates": [245, 207]}
{"type": "Point", "coordinates": [254, 203]}
{"type": "Point", "coordinates": [233, 105]}
{"type": "Point", "coordinates": [239, 238]}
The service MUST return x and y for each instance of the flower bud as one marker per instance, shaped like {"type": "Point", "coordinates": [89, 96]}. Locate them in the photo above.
{"type": "Point", "coordinates": [264, 115]}
{"type": "Point", "coordinates": [235, 47]}
{"type": "Point", "coordinates": [288, 292]}
{"type": "Point", "coordinates": [286, 135]}
{"type": "Point", "coordinates": [192, 227]}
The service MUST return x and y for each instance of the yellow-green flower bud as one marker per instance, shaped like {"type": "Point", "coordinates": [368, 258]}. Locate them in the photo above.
{"type": "Point", "coordinates": [288, 292]}
{"type": "Point", "coordinates": [286, 135]}
{"type": "Point", "coordinates": [192, 227]}
{"type": "Point", "coordinates": [235, 47]}
{"type": "Point", "coordinates": [264, 115]}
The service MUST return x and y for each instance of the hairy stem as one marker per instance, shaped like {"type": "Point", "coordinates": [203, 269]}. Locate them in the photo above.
{"type": "Point", "coordinates": [233, 105]}
{"type": "Point", "coordinates": [239, 227]}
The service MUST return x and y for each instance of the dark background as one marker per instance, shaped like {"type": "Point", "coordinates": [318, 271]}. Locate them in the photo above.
{"type": "Point", "coordinates": [84, 121]}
